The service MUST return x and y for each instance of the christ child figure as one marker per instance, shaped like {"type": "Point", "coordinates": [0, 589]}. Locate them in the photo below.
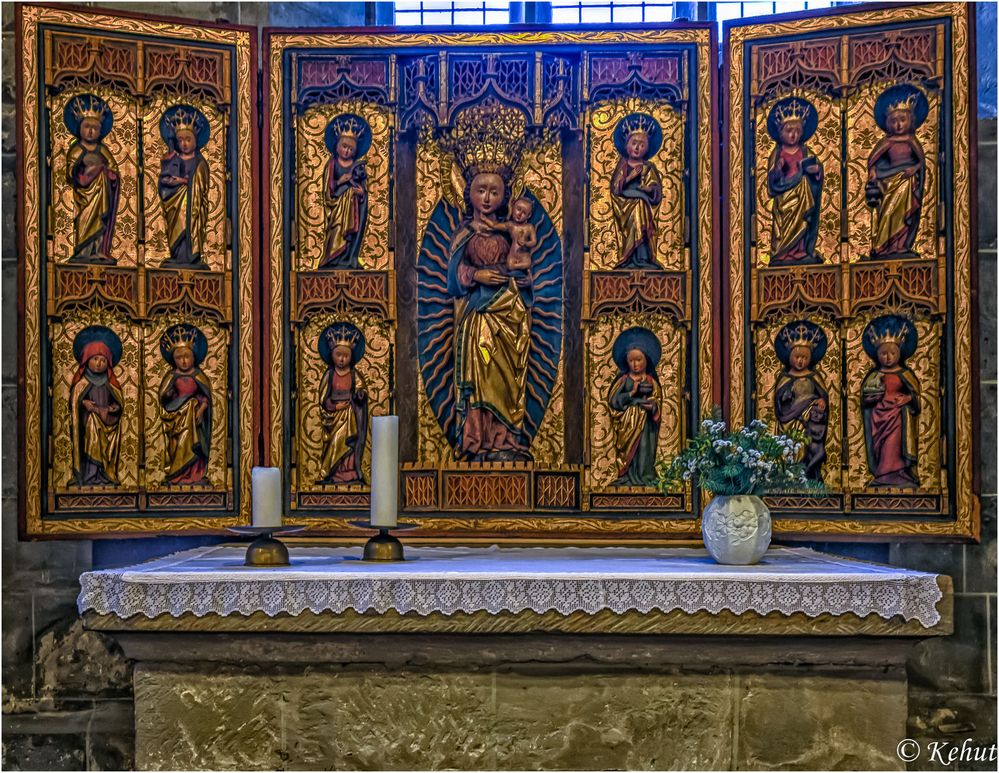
{"type": "Point", "coordinates": [523, 236]}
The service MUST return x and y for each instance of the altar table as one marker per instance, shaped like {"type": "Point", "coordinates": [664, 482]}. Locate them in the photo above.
{"type": "Point", "coordinates": [523, 658]}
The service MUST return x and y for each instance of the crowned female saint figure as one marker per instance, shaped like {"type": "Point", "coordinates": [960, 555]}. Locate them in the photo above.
{"type": "Point", "coordinates": [637, 190]}
{"type": "Point", "coordinates": [345, 191]}
{"type": "Point", "coordinates": [896, 172]}
{"type": "Point", "coordinates": [343, 405]}
{"type": "Point", "coordinates": [801, 397]}
{"type": "Point", "coordinates": [93, 176]}
{"type": "Point", "coordinates": [889, 400]}
{"type": "Point", "coordinates": [183, 185]}
{"type": "Point", "coordinates": [185, 397]}
{"type": "Point", "coordinates": [794, 182]}
{"type": "Point", "coordinates": [96, 404]}
{"type": "Point", "coordinates": [493, 329]}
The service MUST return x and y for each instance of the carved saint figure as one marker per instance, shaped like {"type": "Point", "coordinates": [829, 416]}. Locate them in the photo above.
{"type": "Point", "coordinates": [343, 405]}
{"type": "Point", "coordinates": [95, 408]}
{"type": "Point", "coordinates": [183, 185]}
{"type": "Point", "coordinates": [637, 190]}
{"type": "Point", "coordinates": [794, 182]}
{"type": "Point", "coordinates": [896, 172]}
{"type": "Point", "coordinates": [185, 397]}
{"type": "Point", "coordinates": [889, 400]}
{"type": "Point", "coordinates": [345, 191]}
{"type": "Point", "coordinates": [636, 407]}
{"type": "Point", "coordinates": [93, 175]}
{"type": "Point", "coordinates": [801, 398]}
{"type": "Point", "coordinates": [492, 333]}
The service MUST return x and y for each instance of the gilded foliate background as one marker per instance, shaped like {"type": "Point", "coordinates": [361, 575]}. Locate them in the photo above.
{"type": "Point", "coordinates": [214, 366]}
{"type": "Point", "coordinates": [825, 145]}
{"type": "Point", "coordinates": [312, 158]}
{"type": "Point", "coordinates": [605, 251]}
{"type": "Point", "coordinates": [126, 370]}
{"type": "Point", "coordinates": [153, 150]}
{"type": "Point", "coordinates": [122, 142]}
{"type": "Point", "coordinates": [541, 174]}
{"type": "Point", "coordinates": [373, 369]}
{"type": "Point", "coordinates": [433, 175]}
{"type": "Point", "coordinates": [601, 375]}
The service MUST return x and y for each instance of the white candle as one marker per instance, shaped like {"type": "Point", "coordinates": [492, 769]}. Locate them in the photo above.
{"type": "Point", "coordinates": [266, 496]}
{"type": "Point", "coordinates": [384, 470]}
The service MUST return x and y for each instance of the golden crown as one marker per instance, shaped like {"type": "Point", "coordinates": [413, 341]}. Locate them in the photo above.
{"type": "Point", "coordinates": [888, 336]}
{"type": "Point", "coordinates": [794, 110]}
{"type": "Point", "coordinates": [89, 106]}
{"type": "Point", "coordinates": [183, 119]}
{"type": "Point", "coordinates": [802, 335]}
{"type": "Point", "coordinates": [179, 337]}
{"type": "Point", "coordinates": [342, 335]}
{"type": "Point", "coordinates": [908, 103]}
{"type": "Point", "coordinates": [638, 124]}
{"type": "Point", "coordinates": [349, 126]}
{"type": "Point", "coordinates": [487, 139]}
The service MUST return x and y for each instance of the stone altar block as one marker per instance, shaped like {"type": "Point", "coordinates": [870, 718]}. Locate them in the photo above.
{"type": "Point", "coordinates": [517, 658]}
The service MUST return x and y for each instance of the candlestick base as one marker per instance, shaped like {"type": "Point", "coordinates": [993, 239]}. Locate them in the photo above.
{"type": "Point", "coordinates": [384, 547]}
{"type": "Point", "coordinates": [265, 550]}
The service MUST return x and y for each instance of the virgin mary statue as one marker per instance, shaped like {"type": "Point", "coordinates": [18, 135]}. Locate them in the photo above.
{"type": "Point", "coordinates": [492, 307]}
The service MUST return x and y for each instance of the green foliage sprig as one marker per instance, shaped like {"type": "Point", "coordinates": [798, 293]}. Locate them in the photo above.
{"type": "Point", "coordinates": [750, 460]}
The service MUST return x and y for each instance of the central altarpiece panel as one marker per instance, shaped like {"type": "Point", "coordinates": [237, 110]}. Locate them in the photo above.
{"type": "Point", "coordinates": [505, 239]}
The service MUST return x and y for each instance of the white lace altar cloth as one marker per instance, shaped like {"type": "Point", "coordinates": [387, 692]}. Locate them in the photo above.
{"type": "Point", "coordinates": [453, 579]}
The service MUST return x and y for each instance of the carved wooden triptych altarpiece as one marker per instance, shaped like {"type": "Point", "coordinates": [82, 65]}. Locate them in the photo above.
{"type": "Point", "coordinates": [550, 252]}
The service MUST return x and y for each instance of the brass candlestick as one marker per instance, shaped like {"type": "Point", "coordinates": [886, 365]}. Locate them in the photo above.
{"type": "Point", "coordinates": [384, 547]}
{"type": "Point", "coordinates": [265, 550]}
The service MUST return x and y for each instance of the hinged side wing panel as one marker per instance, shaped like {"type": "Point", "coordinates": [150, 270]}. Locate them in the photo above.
{"type": "Point", "coordinates": [137, 252]}
{"type": "Point", "coordinates": [849, 214]}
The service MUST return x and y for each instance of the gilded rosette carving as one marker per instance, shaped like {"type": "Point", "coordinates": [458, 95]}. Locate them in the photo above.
{"type": "Point", "coordinates": [153, 149]}
{"type": "Point", "coordinates": [311, 159]}
{"type": "Point", "coordinates": [601, 375]}
{"type": "Point", "coordinates": [605, 247]}
{"type": "Point", "coordinates": [373, 368]}
{"type": "Point", "coordinates": [155, 369]}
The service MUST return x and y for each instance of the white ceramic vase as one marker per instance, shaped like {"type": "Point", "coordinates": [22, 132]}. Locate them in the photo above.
{"type": "Point", "coordinates": [736, 529]}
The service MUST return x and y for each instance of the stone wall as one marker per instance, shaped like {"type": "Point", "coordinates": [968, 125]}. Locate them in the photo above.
{"type": "Point", "coordinates": [67, 693]}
